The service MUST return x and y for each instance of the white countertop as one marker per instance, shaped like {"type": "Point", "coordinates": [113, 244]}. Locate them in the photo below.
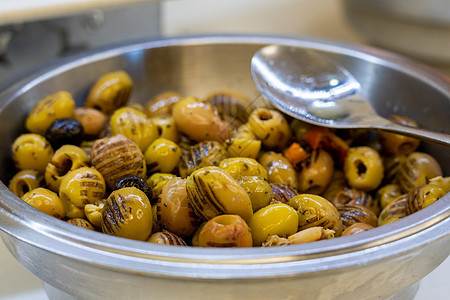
{"type": "Point", "coordinates": [290, 17]}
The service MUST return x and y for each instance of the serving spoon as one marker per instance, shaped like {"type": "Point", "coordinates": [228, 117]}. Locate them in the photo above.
{"type": "Point", "coordinates": [310, 87]}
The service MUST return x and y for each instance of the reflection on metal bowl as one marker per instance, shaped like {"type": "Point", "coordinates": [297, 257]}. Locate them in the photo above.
{"type": "Point", "coordinates": [375, 264]}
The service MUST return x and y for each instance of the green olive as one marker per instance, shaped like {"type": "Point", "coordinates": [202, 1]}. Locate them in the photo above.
{"type": "Point", "coordinates": [387, 194]}
{"type": "Point", "coordinates": [81, 223]}
{"type": "Point", "coordinates": [394, 211]}
{"type": "Point", "coordinates": [398, 144]}
{"type": "Point", "coordinates": [166, 238]}
{"type": "Point", "coordinates": [156, 182]}
{"type": "Point", "coordinates": [279, 169]}
{"type": "Point", "coordinates": [416, 170]}
{"type": "Point", "coordinates": [316, 172]}
{"type": "Point", "coordinates": [166, 127]}
{"type": "Point", "coordinates": [314, 210]}
{"type": "Point", "coordinates": [93, 212]}
{"type": "Point", "coordinates": [427, 194]}
{"type": "Point", "coordinates": [213, 191]}
{"type": "Point", "coordinates": [243, 166]}
{"type": "Point", "coordinates": [271, 127]}
{"type": "Point", "coordinates": [241, 147]}
{"type": "Point", "coordinates": [134, 125]}
{"type": "Point", "coordinates": [274, 219]}
{"type": "Point", "coordinates": [351, 214]}
{"type": "Point", "coordinates": [31, 151]}
{"type": "Point", "coordinates": [82, 186]}
{"type": "Point", "coordinates": [231, 106]}
{"type": "Point", "coordinates": [258, 189]}
{"type": "Point", "coordinates": [110, 92]}
{"type": "Point", "coordinates": [174, 211]}
{"type": "Point", "coordinates": [162, 156]}
{"type": "Point", "coordinates": [66, 158]}
{"type": "Point", "coordinates": [127, 213]}
{"type": "Point", "coordinates": [162, 103]}
{"type": "Point", "coordinates": [200, 121]}
{"type": "Point", "coordinates": [58, 105]}
{"type": "Point", "coordinates": [116, 157]}
{"type": "Point", "coordinates": [356, 197]}
{"type": "Point", "coordinates": [363, 168]}
{"type": "Point", "coordinates": [225, 231]}
{"type": "Point", "coordinates": [46, 201]}
{"type": "Point", "coordinates": [356, 228]}
{"type": "Point", "coordinates": [337, 184]}
{"type": "Point", "coordinates": [25, 181]}
{"type": "Point", "coordinates": [203, 154]}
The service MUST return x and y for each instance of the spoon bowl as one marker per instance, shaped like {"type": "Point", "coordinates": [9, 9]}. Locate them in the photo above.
{"type": "Point", "coordinates": [310, 87]}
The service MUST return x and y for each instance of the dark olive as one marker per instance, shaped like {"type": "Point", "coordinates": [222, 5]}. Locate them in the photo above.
{"type": "Point", "coordinates": [65, 131]}
{"type": "Point", "coordinates": [134, 181]}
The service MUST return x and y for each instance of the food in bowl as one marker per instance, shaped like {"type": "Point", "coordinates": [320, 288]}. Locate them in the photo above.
{"type": "Point", "coordinates": [213, 172]}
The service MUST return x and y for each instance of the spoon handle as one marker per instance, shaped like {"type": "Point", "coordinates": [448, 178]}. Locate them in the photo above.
{"type": "Point", "coordinates": [420, 133]}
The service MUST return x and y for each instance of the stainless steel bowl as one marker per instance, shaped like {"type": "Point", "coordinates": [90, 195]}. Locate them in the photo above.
{"type": "Point", "coordinates": [371, 265]}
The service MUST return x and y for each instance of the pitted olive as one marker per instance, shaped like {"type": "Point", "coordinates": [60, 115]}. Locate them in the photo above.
{"type": "Point", "coordinates": [58, 105]}
{"type": "Point", "coordinates": [279, 169]}
{"type": "Point", "coordinates": [200, 121]}
{"type": "Point", "coordinates": [166, 238]}
{"type": "Point", "coordinates": [416, 170]}
{"type": "Point", "coordinates": [66, 158]}
{"type": "Point", "coordinates": [127, 213]}
{"type": "Point", "coordinates": [363, 168]}
{"type": "Point", "coordinates": [314, 210]}
{"type": "Point", "coordinates": [110, 92]}
{"type": "Point", "coordinates": [173, 209]}
{"type": "Point", "coordinates": [162, 103]}
{"type": "Point", "coordinates": [64, 131]}
{"type": "Point", "coordinates": [213, 191]}
{"type": "Point", "coordinates": [316, 172]}
{"type": "Point", "coordinates": [116, 157]}
{"type": "Point", "coordinates": [225, 231]}
{"type": "Point", "coordinates": [46, 201]}
{"type": "Point", "coordinates": [398, 144]}
{"type": "Point", "coordinates": [271, 127]}
{"type": "Point", "coordinates": [162, 156]}
{"type": "Point", "coordinates": [282, 193]}
{"type": "Point", "coordinates": [258, 189]}
{"type": "Point", "coordinates": [134, 125]}
{"type": "Point", "coordinates": [82, 186]}
{"type": "Point", "coordinates": [243, 166]}
{"type": "Point", "coordinates": [274, 219]}
{"type": "Point", "coordinates": [351, 214]}
{"type": "Point", "coordinates": [25, 181]}
{"type": "Point", "coordinates": [31, 151]}
{"type": "Point", "coordinates": [134, 181]}
{"type": "Point", "coordinates": [356, 197]}
{"type": "Point", "coordinates": [394, 211]}
{"type": "Point", "coordinates": [81, 223]}
{"type": "Point", "coordinates": [203, 154]}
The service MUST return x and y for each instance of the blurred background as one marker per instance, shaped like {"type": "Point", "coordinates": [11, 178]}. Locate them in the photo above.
{"type": "Point", "coordinates": [33, 33]}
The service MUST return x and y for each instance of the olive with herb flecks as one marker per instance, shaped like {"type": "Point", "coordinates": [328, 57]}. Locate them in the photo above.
{"type": "Point", "coordinates": [64, 131]}
{"type": "Point", "coordinates": [127, 213]}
